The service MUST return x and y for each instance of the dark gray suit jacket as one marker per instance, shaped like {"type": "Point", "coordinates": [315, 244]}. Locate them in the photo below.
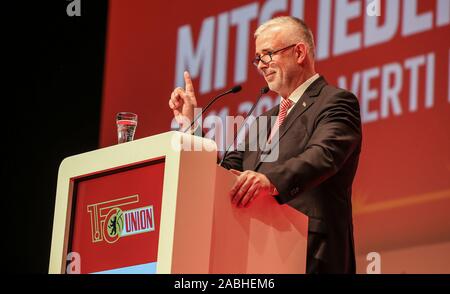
{"type": "Point", "coordinates": [319, 147]}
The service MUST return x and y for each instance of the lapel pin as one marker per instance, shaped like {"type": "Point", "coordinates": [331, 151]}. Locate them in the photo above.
{"type": "Point", "coordinates": [304, 104]}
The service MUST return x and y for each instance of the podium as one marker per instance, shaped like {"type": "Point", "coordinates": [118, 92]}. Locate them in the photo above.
{"type": "Point", "coordinates": [161, 204]}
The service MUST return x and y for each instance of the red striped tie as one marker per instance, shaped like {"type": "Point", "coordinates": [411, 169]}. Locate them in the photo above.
{"type": "Point", "coordinates": [284, 107]}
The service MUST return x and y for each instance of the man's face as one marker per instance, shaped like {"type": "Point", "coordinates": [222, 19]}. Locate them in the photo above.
{"type": "Point", "coordinates": [280, 74]}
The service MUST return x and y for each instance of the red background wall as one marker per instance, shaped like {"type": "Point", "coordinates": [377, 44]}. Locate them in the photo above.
{"type": "Point", "coordinates": [401, 193]}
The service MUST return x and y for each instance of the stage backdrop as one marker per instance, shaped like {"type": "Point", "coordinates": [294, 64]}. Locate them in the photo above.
{"type": "Point", "coordinates": [394, 55]}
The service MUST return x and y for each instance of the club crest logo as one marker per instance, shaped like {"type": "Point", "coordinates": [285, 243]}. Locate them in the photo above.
{"type": "Point", "coordinates": [110, 223]}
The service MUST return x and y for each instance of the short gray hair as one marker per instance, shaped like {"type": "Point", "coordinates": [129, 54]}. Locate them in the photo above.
{"type": "Point", "coordinates": [303, 32]}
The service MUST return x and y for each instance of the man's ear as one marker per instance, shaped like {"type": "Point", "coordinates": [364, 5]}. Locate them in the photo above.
{"type": "Point", "coordinates": [301, 50]}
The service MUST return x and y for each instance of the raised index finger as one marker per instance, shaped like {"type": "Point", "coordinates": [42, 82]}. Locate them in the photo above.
{"type": "Point", "coordinates": [188, 82]}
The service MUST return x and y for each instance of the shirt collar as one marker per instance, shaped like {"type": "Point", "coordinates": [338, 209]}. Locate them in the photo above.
{"type": "Point", "coordinates": [295, 96]}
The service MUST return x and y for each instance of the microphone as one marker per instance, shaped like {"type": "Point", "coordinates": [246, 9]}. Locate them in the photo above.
{"type": "Point", "coordinates": [233, 90]}
{"type": "Point", "coordinates": [263, 91]}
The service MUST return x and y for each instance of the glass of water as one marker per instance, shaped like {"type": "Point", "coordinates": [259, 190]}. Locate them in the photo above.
{"type": "Point", "coordinates": [126, 126]}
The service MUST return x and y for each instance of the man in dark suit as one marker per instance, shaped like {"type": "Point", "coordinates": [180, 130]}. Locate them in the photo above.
{"type": "Point", "coordinates": [318, 136]}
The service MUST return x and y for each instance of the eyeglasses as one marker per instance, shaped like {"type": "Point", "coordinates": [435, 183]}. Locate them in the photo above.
{"type": "Point", "coordinates": [266, 58]}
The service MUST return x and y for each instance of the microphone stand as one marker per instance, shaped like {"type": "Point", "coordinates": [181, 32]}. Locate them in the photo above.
{"type": "Point", "coordinates": [262, 92]}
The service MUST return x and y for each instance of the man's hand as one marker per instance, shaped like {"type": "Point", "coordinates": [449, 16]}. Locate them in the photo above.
{"type": "Point", "coordinates": [183, 101]}
{"type": "Point", "coordinates": [248, 186]}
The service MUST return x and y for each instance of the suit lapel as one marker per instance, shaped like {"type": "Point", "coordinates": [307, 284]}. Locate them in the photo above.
{"type": "Point", "coordinates": [300, 107]}
{"type": "Point", "coordinates": [302, 104]}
